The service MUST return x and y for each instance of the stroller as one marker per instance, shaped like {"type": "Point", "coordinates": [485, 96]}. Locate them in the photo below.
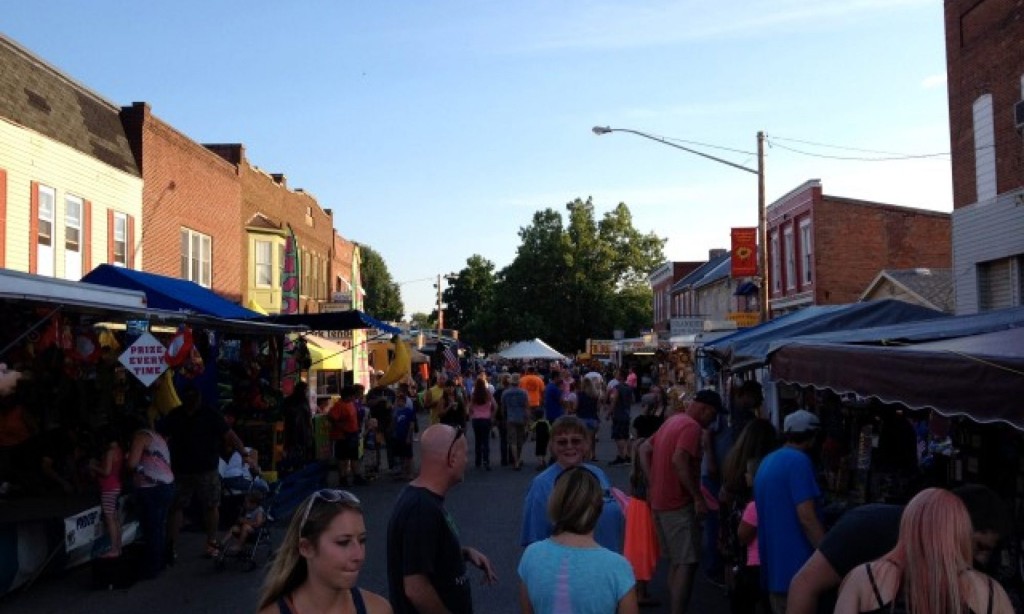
{"type": "Point", "coordinates": [256, 549]}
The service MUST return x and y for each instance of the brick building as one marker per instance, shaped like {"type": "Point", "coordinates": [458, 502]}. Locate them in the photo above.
{"type": "Point", "coordinates": [825, 250]}
{"type": "Point", "coordinates": [70, 189]}
{"type": "Point", "coordinates": [661, 280]}
{"type": "Point", "coordinates": [191, 205]}
{"type": "Point", "coordinates": [985, 68]}
{"type": "Point", "coordinates": [268, 208]}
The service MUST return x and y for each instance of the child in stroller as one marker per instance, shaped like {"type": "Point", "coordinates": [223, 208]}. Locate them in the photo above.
{"type": "Point", "coordinates": [249, 534]}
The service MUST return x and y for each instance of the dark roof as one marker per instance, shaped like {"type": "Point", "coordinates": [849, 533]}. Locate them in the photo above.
{"type": "Point", "coordinates": [720, 271]}
{"type": "Point", "coordinates": [168, 292]}
{"type": "Point", "coordinates": [933, 285]}
{"type": "Point", "coordinates": [698, 274]}
{"type": "Point", "coordinates": [41, 98]}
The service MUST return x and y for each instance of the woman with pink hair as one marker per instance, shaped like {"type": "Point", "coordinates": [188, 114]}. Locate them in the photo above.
{"type": "Point", "coordinates": [929, 570]}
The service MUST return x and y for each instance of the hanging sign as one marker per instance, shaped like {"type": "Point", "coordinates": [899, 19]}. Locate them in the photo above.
{"type": "Point", "coordinates": [744, 252]}
{"type": "Point", "coordinates": [145, 359]}
{"type": "Point", "coordinates": [83, 528]}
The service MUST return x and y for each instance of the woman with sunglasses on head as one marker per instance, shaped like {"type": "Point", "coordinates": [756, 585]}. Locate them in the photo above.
{"type": "Point", "coordinates": [570, 571]}
{"type": "Point", "coordinates": [316, 568]}
{"type": "Point", "coordinates": [570, 447]}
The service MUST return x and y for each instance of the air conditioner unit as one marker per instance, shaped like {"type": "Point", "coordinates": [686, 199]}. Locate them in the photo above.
{"type": "Point", "coordinates": [1018, 116]}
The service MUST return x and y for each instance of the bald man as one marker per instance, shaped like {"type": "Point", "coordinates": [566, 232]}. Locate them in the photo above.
{"type": "Point", "coordinates": [426, 563]}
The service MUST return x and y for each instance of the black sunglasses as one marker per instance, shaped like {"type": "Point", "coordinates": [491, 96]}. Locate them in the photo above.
{"type": "Point", "coordinates": [459, 432]}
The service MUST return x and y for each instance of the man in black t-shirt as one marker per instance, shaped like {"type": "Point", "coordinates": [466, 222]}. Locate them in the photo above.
{"type": "Point", "coordinates": [197, 434]}
{"type": "Point", "coordinates": [426, 562]}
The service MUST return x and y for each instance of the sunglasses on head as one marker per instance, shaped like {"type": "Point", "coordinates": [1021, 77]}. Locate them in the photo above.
{"type": "Point", "coordinates": [459, 432]}
{"type": "Point", "coordinates": [330, 495]}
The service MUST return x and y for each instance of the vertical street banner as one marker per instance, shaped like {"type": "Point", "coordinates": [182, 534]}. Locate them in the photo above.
{"type": "Point", "coordinates": [744, 252]}
{"type": "Point", "coordinates": [289, 305]}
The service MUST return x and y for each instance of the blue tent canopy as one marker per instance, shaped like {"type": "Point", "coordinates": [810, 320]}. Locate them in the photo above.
{"type": "Point", "coordinates": [749, 348]}
{"type": "Point", "coordinates": [168, 293]}
{"type": "Point", "coordinates": [339, 320]}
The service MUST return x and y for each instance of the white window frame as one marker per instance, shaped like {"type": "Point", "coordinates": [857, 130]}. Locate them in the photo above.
{"type": "Point", "coordinates": [790, 255]}
{"type": "Point", "coordinates": [196, 257]}
{"type": "Point", "coordinates": [806, 251]}
{"type": "Point", "coordinates": [74, 209]}
{"type": "Point", "coordinates": [776, 263]}
{"type": "Point", "coordinates": [47, 230]}
{"type": "Point", "coordinates": [263, 258]}
{"type": "Point", "coordinates": [120, 239]}
{"type": "Point", "coordinates": [984, 148]}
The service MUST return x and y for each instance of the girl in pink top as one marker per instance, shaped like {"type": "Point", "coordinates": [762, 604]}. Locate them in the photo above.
{"type": "Point", "coordinates": [748, 593]}
{"type": "Point", "coordinates": [107, 470]}
{"type": "Point", "coordinates": [481, 411]}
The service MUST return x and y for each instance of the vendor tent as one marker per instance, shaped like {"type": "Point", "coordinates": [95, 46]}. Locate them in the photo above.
{"type": "Point", "coordinates": [980, 375]}
{"type": "Point", "coordinates": [530, 350]}
{"type": "Point", "coordinates": [328, 355]}
{"type": "Point", "coordinates": [748, 349]}
{"type": "Point", "coordinates": [335, 320]}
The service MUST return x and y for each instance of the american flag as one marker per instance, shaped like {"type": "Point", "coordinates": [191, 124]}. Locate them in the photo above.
{"type": "Point", "coordinates": [451, 361]}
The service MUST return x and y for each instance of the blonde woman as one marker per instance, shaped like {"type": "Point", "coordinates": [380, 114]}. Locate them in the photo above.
{"type": "Point", "coordinates": [317, 566]}
{"type": "Point", "coordinates": [570, 571]}
{"type": "Point", "coordinates": [929, 570]}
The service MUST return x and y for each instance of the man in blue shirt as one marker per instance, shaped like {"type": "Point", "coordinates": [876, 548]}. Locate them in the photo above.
{"type": "Point", "coordinates": [787, 497]}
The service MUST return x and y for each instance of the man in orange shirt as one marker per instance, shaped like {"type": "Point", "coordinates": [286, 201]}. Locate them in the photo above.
{"type": "Point", "coordinates": [533, 384]}
{"type": "Point", "coordinates": [344, 434]}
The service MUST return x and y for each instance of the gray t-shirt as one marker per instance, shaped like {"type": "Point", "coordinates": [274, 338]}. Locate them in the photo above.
{"type": "Point", "coordinates": [515, 402]}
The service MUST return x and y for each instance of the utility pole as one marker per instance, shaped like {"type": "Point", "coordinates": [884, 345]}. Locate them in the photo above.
{"type": "Point", "coordinates": [440, 311]}
{"type": "Point", "coordinates": [762, 231]}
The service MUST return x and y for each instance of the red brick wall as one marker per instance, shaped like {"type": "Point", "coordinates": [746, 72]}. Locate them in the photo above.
{"type": "Point", "coordinates": [984, 55]}
{"type": "Point", "coordinates": [185, 185]}
{"type": "Point", "coordinates": [854, 240]}
{"type": "Point", "coordinates": [341, 263]}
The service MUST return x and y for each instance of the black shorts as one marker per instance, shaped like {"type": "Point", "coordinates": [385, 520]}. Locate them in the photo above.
{"type": "Point", "coordinates": [542, 432]}
{"type": "Point", "coordinates": [347, 449]}
{"type": "Point", "coordinates": [400, 449]}
{"type": "Point", "coordinates": [620, 429]}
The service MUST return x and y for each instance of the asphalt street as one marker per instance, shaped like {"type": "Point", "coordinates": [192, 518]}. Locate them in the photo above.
{"type": "Point", "coordinates": [487, 507]}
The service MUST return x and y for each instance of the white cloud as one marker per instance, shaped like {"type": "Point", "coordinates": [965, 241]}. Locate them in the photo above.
{"type": "Point", "coordinates": [933, 81]}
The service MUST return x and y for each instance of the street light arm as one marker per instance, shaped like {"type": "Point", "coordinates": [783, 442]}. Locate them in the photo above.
{"type": "Point", "coordinates": [599, 130]}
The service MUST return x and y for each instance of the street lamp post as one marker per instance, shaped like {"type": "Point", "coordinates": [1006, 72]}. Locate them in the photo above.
{"type": "Point", "coordinates": [762, 246]}
{"type": "Point", "coordinates": [440, 304]}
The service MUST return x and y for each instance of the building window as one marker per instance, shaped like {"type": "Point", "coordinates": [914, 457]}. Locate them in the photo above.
{"type": "Point", "coordinates": [44, 236]}
{"type": "Point", "coordinates": [72, 238]}
{"type": "Point", "coordinates": [1000, 283]}
{"type": "Point", "coordinates": [196, 257]}
{"type": "Point", "coordinates": [120, 239]}
{"type": "Point", "coordinates": [984, 149]}
{"type": "Point", "coordinates": [790, 255]}
{"type": "Point", "coordinates": [776, 264]}
{"type": "Point", "coordinates": [264, 263]}
{"type": "Point", "coordinates": [806, 253]}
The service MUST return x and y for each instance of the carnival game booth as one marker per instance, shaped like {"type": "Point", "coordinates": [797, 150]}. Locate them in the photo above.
{"type": "Point", "coordinates": [95, 360]}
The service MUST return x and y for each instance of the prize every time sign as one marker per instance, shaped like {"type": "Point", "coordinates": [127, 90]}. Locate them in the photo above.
{"type": "Point", "coordinates": [145, 359]}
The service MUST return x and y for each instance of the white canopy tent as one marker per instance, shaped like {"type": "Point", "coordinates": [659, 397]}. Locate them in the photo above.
{"type": "Point", "coordinates": [535, 349]}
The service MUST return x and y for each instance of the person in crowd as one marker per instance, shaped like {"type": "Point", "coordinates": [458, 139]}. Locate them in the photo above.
{"type": "Point", "coordinates": [481, 411]}
{"type": "Point", "coordinates": [620, 402]}
{"type": "Point", "coordinates": [631, 379]}
{"type": "Point", "coordinates": [500, 422]}
{"type": "Point", "coordinates": [553, 397]}
{"type": "Point", "coordinates": [641, 543]}
{"type": "Point", "coordinates": [382, 410]}
{"type": "Point", "coordinates": [671, 461]}
{"type": "Point", "coordinates": [788, 496]}
{"type": "Point", "coordinates": [570, 399]}
{"type": "Point", "coordinates": [251, 517]}
{"type": "Point", "coordinates": [746, 595]}
{"type": "Point", "coordinates": [298, 426]}
{"type": "Point", "coordinates": [867, 532]}
{"type": "Point", "coordinates": [534, 387]}
{"type": "Point", "coordinates": [404, 425]}
{"type": "Point", "coordinates": [426, 562]}
{"type": "Point", "coordinates": [317, 566]}
{"type": "Point", "coordinates": [107, 469]}
{"type": "Point", "coordinates": [197, 433]}
{"type": "Point", "coordinates": [344, 434]}
{"type": "Point", "coordinates": [570, 571]}
{"type": "Point", "coordinates": [149, 460]}
{"type": "Point", "coordinates": [515, 405]}
{"type": "Point", "coordinates": [756, 441]}
{"type": "Point", "coordinates": [569, 447]}
{"type": "Point", "coordinates": [929, 571]}
{"type": "Point", "coordinates": [433, 398]}
{"type": "Point", "coordinates": [588, 402]}
{"type": "Point", "coordinates": [455, 413]}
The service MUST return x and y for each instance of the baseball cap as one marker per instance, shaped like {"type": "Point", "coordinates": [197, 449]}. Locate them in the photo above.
{"type": "Point", "coordinates": [801, 421]}
{"type": "Point", "coordinates": [709, 397]}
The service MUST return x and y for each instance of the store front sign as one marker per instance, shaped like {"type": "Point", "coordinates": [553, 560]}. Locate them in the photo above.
{"type": "Point", "coordinates": [145, 359]}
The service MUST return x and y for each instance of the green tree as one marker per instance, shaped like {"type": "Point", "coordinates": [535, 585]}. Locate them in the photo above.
{"type": "Point", "coordinates": [468, 292]}
{"type": "Point", "coordinates": [422, 321]}
{"type": "Point", "coordinates": [383, 297]}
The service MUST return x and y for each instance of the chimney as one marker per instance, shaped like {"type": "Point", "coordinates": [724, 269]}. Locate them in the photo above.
{"type": "Point", "coordinates": [279, 179]}
{"type": "Point", "coordinates": [718, 252]}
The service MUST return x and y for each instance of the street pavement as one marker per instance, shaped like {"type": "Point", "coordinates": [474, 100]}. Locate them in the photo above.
{"type": "Point", "coordinates": [487, 507]}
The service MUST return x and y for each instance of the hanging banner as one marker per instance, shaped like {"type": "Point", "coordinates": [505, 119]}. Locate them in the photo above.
{"type": "Point", "coordinates": [744, 252]}
{"type": "Point", "coordinates": [145, 359]}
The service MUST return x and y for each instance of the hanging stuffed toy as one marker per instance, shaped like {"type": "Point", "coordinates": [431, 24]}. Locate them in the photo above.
{"type": "Point", "coordinates": [85, 348]}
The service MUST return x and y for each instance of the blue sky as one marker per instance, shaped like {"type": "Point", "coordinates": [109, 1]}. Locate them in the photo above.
{"type": "Point", "coordinates": [434, 129]}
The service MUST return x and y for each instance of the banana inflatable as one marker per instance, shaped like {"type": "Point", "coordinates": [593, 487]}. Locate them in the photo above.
{"type": "Point", "coordinates": [400, 367]}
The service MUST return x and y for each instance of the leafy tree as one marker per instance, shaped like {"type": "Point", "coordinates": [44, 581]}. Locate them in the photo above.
{"type": "Point", "coordinates": [468, 292]}
{"type": "Point", "coordinates": [383, 297]}
{"type": "Point", "coordinates": [422, 321]}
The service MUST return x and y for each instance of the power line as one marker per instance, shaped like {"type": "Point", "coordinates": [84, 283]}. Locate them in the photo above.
{"type": "Point", "coordinates": [887, 158]}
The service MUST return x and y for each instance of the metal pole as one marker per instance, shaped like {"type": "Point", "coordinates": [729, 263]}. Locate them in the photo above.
{"type": "Point", "coordinates": [762, 230]}
{"type": "Point", "coordinates": [440, 312]}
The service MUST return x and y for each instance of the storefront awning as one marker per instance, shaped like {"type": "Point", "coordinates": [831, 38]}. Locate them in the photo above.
{"type": "Point", "coordinates": [168, 293]}
{"type": "Point", "coordinates": [327, 355]}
